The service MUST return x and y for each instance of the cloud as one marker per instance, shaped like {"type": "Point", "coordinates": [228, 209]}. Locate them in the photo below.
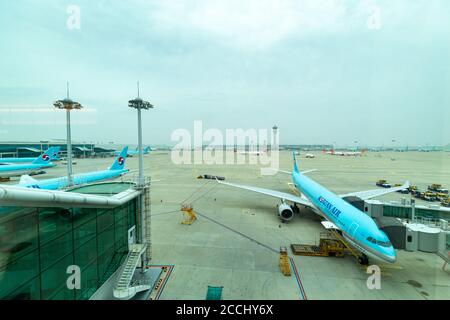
{"type": "Point", "coordinates": [251, 23]}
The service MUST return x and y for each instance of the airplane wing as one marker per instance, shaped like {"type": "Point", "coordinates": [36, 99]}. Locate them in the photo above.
{"type": "Point", "coordinates": [272, 193]}
{"type": "Point", "coordinates": [290, 172]}
{"type": "Point", "coordinates": [369, 194]}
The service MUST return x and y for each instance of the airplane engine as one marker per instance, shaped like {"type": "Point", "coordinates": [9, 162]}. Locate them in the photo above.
{"type": "Point", "coordinates": [285, 212]}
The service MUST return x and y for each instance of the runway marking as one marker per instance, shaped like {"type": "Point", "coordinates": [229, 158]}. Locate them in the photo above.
{"type": "Point", "coordinates": [299, 281]}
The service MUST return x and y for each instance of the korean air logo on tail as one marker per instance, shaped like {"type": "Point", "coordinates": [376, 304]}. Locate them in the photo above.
{"type": "Point", "coordinates": [121, 160]}
{"type": "Point", "coordinates": [45, 157]}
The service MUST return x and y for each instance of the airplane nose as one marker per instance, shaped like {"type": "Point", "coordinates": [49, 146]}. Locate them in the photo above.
{"type": "Point", "coordinates": [391, 256]}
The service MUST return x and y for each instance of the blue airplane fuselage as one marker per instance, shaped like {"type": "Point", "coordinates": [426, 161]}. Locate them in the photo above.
{"type": "Point", "coordinates": [20, 160]}
{"type": "Point", "coordinates": [10, 170]}
{"type": "Point", "coordinates": [117, 169]}
{"type": "Point", "coordinates": [356, 226]}
{"type": "Point", "coordinates": [79, 179]}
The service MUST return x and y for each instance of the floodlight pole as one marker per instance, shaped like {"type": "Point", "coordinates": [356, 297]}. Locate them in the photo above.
{"type": "Point", "coordinates": [69, 150]}
{"type": "Point", "coordinates": [68, 105]}
{"type": "Point", "coordinates": [141, 155]}
{"type": "Point", "coordinates": [139, 104]}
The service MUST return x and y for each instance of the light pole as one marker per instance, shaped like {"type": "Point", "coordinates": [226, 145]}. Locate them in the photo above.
{"type": "Point", "coordinates": [68, 105]}
{"type": "Point", "coordinates": [140, 104]}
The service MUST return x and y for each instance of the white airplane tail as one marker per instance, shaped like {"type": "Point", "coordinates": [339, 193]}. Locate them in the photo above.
{"type": "Point", "coordinates": [26, 179]}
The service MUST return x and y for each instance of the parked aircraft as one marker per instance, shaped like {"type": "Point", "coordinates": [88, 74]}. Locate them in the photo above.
{"type": "Point", "coordinates": [116, 170]}
{"type": "Point", "coordinates": [132, 153]}
{"type": "Point", "coordinates": [357, 228]}
{"type": "Point", "coordinates": [41, 162]}
{"type": "Point", "coordinates": [343, 153]}
{"type": "Point", "coordinates": [53, 157]}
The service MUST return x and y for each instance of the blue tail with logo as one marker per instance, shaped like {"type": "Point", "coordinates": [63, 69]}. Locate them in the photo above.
{"type": "Point", "coordinates": [295, 162]}
{"type": "Point", "coordinates": [47, 156]}
{"type": "Point", "coordinates": [119, 163]}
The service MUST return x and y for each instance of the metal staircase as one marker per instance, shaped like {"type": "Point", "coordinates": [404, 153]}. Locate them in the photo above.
{"type": "Point", "coordinates": [125, 288]}
{"type": "Point", "coordinates": [346, 244]}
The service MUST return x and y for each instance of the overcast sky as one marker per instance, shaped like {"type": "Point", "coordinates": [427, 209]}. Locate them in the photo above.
{"type": "Point", "coordinates": [323, 71]}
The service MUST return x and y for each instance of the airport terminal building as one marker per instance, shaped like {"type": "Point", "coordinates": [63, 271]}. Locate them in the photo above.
{"type": "Point", "coordinates": [91, 227]}
{"type": "Point", "coordinates": [34, 149]}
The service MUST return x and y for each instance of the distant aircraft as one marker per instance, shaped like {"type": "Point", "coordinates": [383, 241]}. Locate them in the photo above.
{"type": "Point", "coordinates": [252, 153]}
{"type": "Point", "coordinates": [53, 157]}
{"type": "Point", "coordinates": [41, 162]}
{"type": "Point", "coordinates": [116, 170]}
{"type": "Point", "coordinates": [358, 228]}
{"type": "Point", "coordinates": [132, 153]}
{"type": "Point", "coordinates": [343, 153]}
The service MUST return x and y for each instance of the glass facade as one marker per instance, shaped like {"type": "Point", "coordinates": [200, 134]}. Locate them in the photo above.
{"type": "Point", "coordinates": [406, 212]}
{"type": "Point", "coordinates": [37, 245]}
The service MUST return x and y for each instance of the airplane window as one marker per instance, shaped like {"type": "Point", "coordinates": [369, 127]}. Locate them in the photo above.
{"type": "Point", "coordinates": [384, 244]}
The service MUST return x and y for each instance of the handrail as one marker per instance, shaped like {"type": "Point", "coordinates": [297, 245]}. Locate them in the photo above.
{"type": "Point", "coordinates": [19, 196]}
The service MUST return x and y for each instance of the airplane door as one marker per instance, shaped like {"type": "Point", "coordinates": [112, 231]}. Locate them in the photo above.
{"type": "Point", "coordinates": [131, 236]}
{"type": "Point", "coordinates": [352, 230]}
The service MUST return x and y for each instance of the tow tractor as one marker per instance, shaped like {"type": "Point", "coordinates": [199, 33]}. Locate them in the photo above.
{"type": "Point", "coordinates": [428, 196]}
{"type": "Point", "coordinates": [437, 188]}
{"type": "Point", "coordinates": [383, 183]}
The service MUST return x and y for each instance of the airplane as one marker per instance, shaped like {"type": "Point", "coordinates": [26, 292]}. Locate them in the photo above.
{"type": "Point", "coordinates": [116, 170]}
{"type": "Point", "coordinates": [132, 153]}
{"type": "Point", "coordinates": [343, 153]}
{"type": "Point", "coordinates": [356, 227]}
{"type": "Point", "coordinates": [250, 152]}
{"type": "Point", "coordinates": [53, 157]}
{"type": "Point", "coordinates": [41, 162]}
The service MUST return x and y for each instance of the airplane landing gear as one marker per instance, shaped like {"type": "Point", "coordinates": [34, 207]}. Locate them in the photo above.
{"type": "Point", "coordinates": [363, 260]}
{"type": "Point", "coordinates": [295, 208]}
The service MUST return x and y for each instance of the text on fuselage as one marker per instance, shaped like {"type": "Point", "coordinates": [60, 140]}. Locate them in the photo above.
{"type": "Point", "coordinates": [335, 211]}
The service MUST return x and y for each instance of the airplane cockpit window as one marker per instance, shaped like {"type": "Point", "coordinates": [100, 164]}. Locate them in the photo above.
{"type": "Point", "coordinates": [380, 243]}
{"type": "Point", "coordinates": [386, 244]}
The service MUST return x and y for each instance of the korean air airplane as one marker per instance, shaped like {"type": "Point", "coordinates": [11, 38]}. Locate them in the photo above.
{"type": "Point", "coordinates": [53, 157]}
{"type": "Point", "coordinates": [355, 226]}
{"type": "Point", "coordinates": [136, 152]}
{"type": "Point", "coordinates": [116, 170]}
{"type": "Point", "coordinates": [41, 162]}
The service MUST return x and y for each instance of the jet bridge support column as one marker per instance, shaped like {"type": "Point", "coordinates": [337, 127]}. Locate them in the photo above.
{"type": "Point", "coordinates": [148, 220]}
{"type": "Point", "coordinates": [144, 211]}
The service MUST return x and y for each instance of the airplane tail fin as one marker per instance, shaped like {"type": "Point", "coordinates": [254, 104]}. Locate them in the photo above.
{"type": "Point", "coordinates": [295, 161]}
{"type": "Point", "coordinates": [119, 163]}
{"type": "Point", "coordinates": [26, 179]}
{"type": "Point", "coordinates": [47, 156]}
{"type": "Point", "coordinates": [148, 149]}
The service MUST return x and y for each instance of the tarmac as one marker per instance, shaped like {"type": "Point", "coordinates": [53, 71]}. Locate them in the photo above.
{"type": "Point", "coordinates": [235, 241]}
